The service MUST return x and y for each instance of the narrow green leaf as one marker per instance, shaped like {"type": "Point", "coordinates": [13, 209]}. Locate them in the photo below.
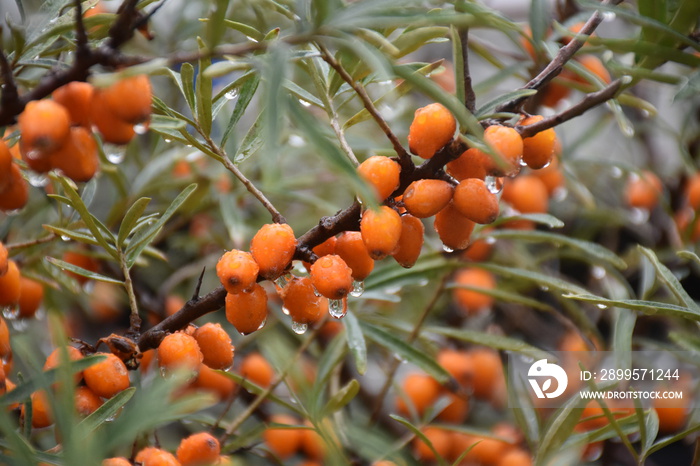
{"type": "Point", "coordinates": [105, 412]}
{"type": "Point", "coordinates": [90, 221]}
{"type": "Point", "coordinates": [257, 390]}
{"type": "Point", "coordinates": [412, 39]}
{"type": "Point", "coordinates": [79, 236]}
{"type": "Point", "coordinates": [418, 433]}
{"type": "Point", "coordinates": [80, 271]}
{"type": "Point", "coordinates": [539, 19]}
{"type": "Point", "coordinates": [251, 142]}
{"type": "Point", "coordinates": [537, 278]}
{"type": "Point", "coordinates": [558, 429]}
{"type": "Point", "coordinates": [405, 351]}
{"type": "Point", "coordinates": [467, 121]}
{"type": "Point", "coordinates": [393, 275]}
{"type": "Point", "coordinates": [301, 93]}
{"type": "Point", "coordinates": [203, 94]}
{"type": "Point", "coordinates": [332, 153]}
{"type": "Point", "coordinates": [673, 439]}
{"type": "Point", "coordinates": [646, 307]}
{"type": "Point", "coordinates": [275, 103]}
{"type": "Point", "coordinates": [356, 342]}
{"type": "Point", "coordinates": [492, 341]}
{"type": "Point", "coordinates": [245, 29]}
{"type": "Point", "coordinates": [402, 89]}
{"type": "Point", "coordinates": [246, 95]}
{"type": "Point", "coordinates": [594, 250]}
{"type": "Point", "coordinates": [137, 245]}
{"type": "Point", "coordinates": [544, 219]}
{"type": "Point", "coordinates": [649, 422]}
{"type": "Point", "coordinates": [215, 24]}
{"type": "Point", "coordinates": [671, 282]}
{"type": "Point", "coordinates": [162, 123]}
{"type": "Point", "coordinates": [344, 396]}
{"type": "Point", "coordinates": [489, 106]}
{"type": "Point", "coordinates": [130, 218]}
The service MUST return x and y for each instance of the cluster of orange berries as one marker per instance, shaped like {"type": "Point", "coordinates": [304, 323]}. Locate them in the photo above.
{"type": "Point", "coordinates": [196, 450]}
{"type": "Point", "coordinates": [57, 133]}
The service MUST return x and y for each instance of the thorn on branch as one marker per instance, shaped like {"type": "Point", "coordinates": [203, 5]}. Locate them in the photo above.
{"type": "Point", "coordinates": [197, 288]}
{"type": "Point", "coordinates": [469, 96]}
{"type": "Point", "coordinates": [82, 49]}
{"type": "Point", "coordinates": [10, 97]}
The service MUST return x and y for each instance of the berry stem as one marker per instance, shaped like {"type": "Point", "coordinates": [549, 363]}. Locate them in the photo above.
{"type": "Point", "coordinates": [560, 59]}
{"type": "Point", "coordinates": [404, 156]}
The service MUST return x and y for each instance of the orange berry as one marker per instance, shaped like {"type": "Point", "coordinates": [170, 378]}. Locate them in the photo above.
{"type": "Point", "coordinates": [433, 126]}
{"type": "Point", "coordinates": [551, 176]}
{"type": "Point", "coordinates": [256, 369]}
{"type": "Point", "coordinates": [86, 402]}
{"type": "Point", "coordinates": [273, 248]}
{"type": "Point", "coordinates": [554, 92]}
{"type": "Point", "coordinates": [473, 163]}
{"type": "Point", "coordinates": [56, 358]}
{"type": "Point", "coordinates": [247, 311]}
{"type": "Point", "coordinates": [573, 30]}
{"type": "Point", "coordinates": [179, 350]}
{"type": "Point", "coordinates": [44, 125]}
{"type": "Point", "coordinates": [112, 129]}
{"type": "Point", "coordinates": [116, 461]}
{"type": "Point", "coordinates": [445, 78]}
{"type": "Point", "coordinates": [382, 173]}
{"type": "Point", "coordinates": [487, 451]}
{"type": "Point", "coordinates": [83, 261]}
{"type": "Point", "coordinates": [352, 250]}
{"type": "Point", "coordinates": [3, 259]}
{"type": "Point", "coordinates": [237, 271]}
{"type": "Point", "coordinates": [472, 301]}
{"type": "Point", "coordinates": [198, 449]}
{"type": "Point", "coordinates": [425, 198]}
{"type": "Point", "coordinates": [30, 297]}
{"type": "Point", "coordinates": [515, 457]}
{"type": "Point", "coordinates": [147, 358]}
{"type": "Point", "coordinates": [526, 194]}
{"type": "Point", "coordinates": [538, 150]}
{"type": "Point", "coordinates": [41, 410]}
{"type": "Point", "coordinates": [5, 165]}
{"type": "Point", "coordinates": [151, 456]}
{"type": "Point", "coordinates": [312, 444]}
{"type": "Point", "coordinates": [421, 390]}
{"type": "Point", "coordinates": [488, 372]}
{"type": "Point", "coordinates": [673, 413]}
{"type": "Point", "coordinates": [474, 200]}
{"type": "Point", "coordinates": [77, 159]}
{"type": "Point", "coordinates": [129, 99]}
{"type": "Point", "coordinates": [644, 190]}
{"type": "Point", "coordinates": [76, 97]}
{"type": "Point", "coordinates": [441, 441]}
{"type": "Point", "coordinates": [592, 417]}
{"type": "Point", "coordinates": [595, 67]}
{"type": "Point", "coordinates": [456, 411]}
{"type": "Point", "coordinates": [526, 43]}
{"type": "Point", "coordinates": [331, 277]}
{"type": "Point", "coordinates": [214, 382]}
{"type": "Point", "coordinates": [453, 228]}
{"type": "Point", "coordinates": [410, 241]}
{"type": "Point", "coordinates": [299, 299]}
{"type": "Point", "coordinates": [215, 345]}
{"type": "Point", "coordinates": [692, 191]}
{"type": "Point", "coordinates": [508, 145]}
{"type": "Point", "coordinates": [284, 443]}
{"type": "Point", "coordinates": [458, 364]}
{"type": "Point", "coordinates": [323, 249]}
{"type": "Point", "coordinates": [173, 303]}
{"type": "Point", "coordinates": [381, 230]}
{"type": "Point", "coordinates": [479, 250]}
{"type": "Point", "coordinates": [16, 192]}
{"type": "Point", "coordinates": [108, 377]}
{"type": "Point", "coordinates": [10, 285]}
{"type": "Point", "coordinates": [5, 348]}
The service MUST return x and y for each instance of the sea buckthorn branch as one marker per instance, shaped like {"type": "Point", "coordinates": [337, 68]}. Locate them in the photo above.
{"type": "Point", "coordinates": [469, 95]}
{"type": "Point", "coordinates": [9, 87]}
{"type": "Point", "coordinates": [591, 100]}
{"type": "Point", "coordinates": [277, 217]}
{"type": "Point", "coordinates": [82, 50]}
{"type": "Point", "coordinates": [556, 65]}
{"type": "Point", "coordinates": [404, 156]}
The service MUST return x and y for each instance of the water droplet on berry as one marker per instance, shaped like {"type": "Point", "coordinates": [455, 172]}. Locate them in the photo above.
{"type": "Point", "coordinates": [285, 311]}
{"type": "Point", "coordinates": [447, 248]}
{"type": "Point", "coordinates": [494, 184]}
{"type": "Point", "coordinates": [262, 324]}
{"type": "Point", "coordinates": [38, 180]}
{"type": "Point", "coordinates": [114, 154]}
{"type": "Point", "coordinates": [358, 287]}
{"type": "Point", "coordinates": [299, 328]}
{"type": "Point", "coordinates": [10, 312]}
{"type": "Point", "coordinates": [336, 308]}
